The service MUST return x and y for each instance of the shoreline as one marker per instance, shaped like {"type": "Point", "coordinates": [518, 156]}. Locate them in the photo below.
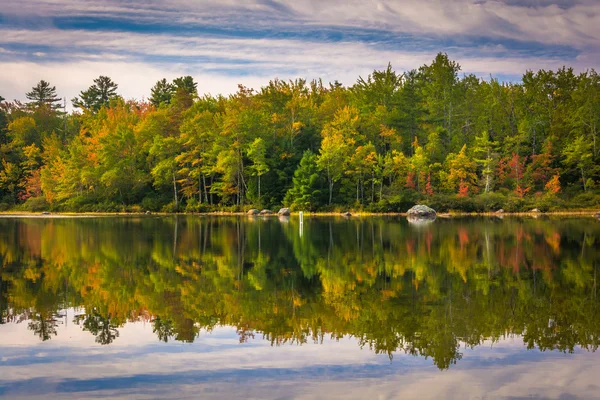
{"type": "Point", "coordinates": [594, 213]}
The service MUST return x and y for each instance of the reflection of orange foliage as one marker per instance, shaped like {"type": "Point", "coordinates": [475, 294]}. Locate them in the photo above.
{"type": "Point", "coordinates": [463, 237]}
{"type": "Point", "coordinates": [553, 241]}
{"type": "Point", "coordinates": [428, 239]}
{"type": "Point", "coordinates": [410, 247]}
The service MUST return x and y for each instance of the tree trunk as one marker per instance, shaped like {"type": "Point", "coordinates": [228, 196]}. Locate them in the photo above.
{"type": "Point", "coordinates": [175, 189]}
{"type": "Point", "coordinates": [372, 188]}
{"type": "Point", "coordinates": [205, 192]}
{"type": "Point", "coordinates": [259, 190]}
{"type": "Point", "coordinates": [330, 184]}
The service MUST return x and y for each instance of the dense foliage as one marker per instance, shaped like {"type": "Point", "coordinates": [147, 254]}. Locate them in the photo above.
{"type": "Point", "coordinates": [382, 144]}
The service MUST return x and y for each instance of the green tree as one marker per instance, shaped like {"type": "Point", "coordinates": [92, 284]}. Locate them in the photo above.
{"type": "Point", "coordinates": [339, 137]}
{"type": "Point", "coordinates": [164, 172]}
{"type": "Point", "coordinates": [96, 96]}
{"type": "Point", "coordinates": [257, 152]}
{"type": "Point", "coordinates": [161, 93]}
{"type": "Point", "coordinates": [43, 95]}
{"type": "Point", "coordinates": [186, 84]}
{"type": "Point", "coordinates": [578, 154]}
{"type": "Point", "coordinates": [484, 150]}
{"type": "Point", "coordinates": [306, 191]}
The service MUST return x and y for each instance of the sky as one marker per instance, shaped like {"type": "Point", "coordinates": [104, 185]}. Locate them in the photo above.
{"type": "Point", "coordinates": [223, 43]}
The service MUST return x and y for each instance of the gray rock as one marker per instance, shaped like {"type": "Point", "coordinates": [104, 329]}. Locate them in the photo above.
{"type": "Point", "coordinates": [45, 212]}
{"type": "Point", "coordinates": [253, 211]}
{"type": "Point", "coordinates": [535, 210]}
{"type": "Point", "coordinates": [266, 212]}
{"type": "Point", "coordinates": [148, 213]}
{"type": "Point", "coordinates": [285, 212]}
{"type": "Point", "coordinates": [421, 212]}
{"type": "Point", "coordinates": [346, 214]}
{"type": "Point", "coordinates": [500, 211]}
{"type": "Point", "coordinates": [597, 215]}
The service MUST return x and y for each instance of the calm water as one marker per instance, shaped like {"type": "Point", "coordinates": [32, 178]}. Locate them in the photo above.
{"type": "Point", "coordinates": [199, 307]}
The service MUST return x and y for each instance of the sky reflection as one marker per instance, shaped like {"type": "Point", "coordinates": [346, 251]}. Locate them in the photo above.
{"type": "Point", "coordinates": [216, 365]}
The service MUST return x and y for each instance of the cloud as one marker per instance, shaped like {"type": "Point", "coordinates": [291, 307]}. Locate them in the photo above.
{"type": "Point", "coordinates": [229, 42]}
{"type": "Point", "coordinates": [552, 22]}
{"type": "Point", "coordinates": [216, 365]}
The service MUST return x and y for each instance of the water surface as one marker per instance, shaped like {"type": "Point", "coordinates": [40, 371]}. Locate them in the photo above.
{"type": "Point", "coordinates": [189, 307]}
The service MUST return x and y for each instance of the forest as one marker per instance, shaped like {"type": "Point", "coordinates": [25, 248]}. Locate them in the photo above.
{"type": "Point", "coordinates": [432, 135]}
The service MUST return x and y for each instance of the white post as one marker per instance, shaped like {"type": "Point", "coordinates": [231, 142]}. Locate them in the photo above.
{"type": "Point", "coordinates": [301, 222]}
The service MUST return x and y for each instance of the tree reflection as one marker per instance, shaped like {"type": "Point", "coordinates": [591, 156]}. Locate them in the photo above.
{"type": "Point", "coordinates": [427, 292]}
{"type": "Point", "coordinates": [43, 325]}
{"type": "Point", "coordinates": [98, 325]}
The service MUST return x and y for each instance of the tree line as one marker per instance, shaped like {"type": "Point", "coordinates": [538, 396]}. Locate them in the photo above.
{"type": "Point", "coordinates": [388, 141]}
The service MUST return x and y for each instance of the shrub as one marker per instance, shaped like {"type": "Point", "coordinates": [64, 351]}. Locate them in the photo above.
{"type": "Point", "coordinates": [35, 204]}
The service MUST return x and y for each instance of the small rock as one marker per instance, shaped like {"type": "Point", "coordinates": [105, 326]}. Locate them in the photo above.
{"type": "Point", "coordinates": [253, 211]}
{"type": "Point", "coordinates": [148, 213]}
{"type": "Point", "coordinates": [535, 210]}
{"type": "Point", "coordinates": [45, 212]}
{"type": "Point", "coordinates": [346, 214]}
{"type": "Point", "coordinates": [597, 215]}
{"type": "Point", "coordinates": [285, 212]}
{"type": "Point", "coordinates": [500, 211]}
{"type": "Point", "coordinates": [421, 211]}
{"type": "Point", "coordinates": [266, 212]}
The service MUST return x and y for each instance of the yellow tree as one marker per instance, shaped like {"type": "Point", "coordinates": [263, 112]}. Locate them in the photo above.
{"type": "Point", "coordinates": [461, 172]}
{"type": "Point", "coordinates": [339, 137]}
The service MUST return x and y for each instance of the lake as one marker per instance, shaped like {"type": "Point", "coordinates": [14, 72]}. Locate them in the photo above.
{"type": "Point", "coordinates": [252, 307]}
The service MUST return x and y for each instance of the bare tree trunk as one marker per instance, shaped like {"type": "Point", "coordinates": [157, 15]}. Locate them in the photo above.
{"type": "Point", "coordinates": [175, 189]}
{"type": "Point", "coordinates": [372, 188]}
{"type": "Point", "coordinates": [205, 192]}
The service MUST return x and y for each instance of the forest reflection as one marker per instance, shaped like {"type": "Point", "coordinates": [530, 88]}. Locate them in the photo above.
{"type": "Point", "coordinates": [428, 291]}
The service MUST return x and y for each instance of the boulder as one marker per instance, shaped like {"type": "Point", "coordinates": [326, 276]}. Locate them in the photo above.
{"type": "Point", "coordinates": [535, 210]}
{"type": "Point", "coordinates": [45, 212]}
{"type": "Point", "coordinates": [346, 214]}
{"type": "Point", "coordinates": [148, 213]}
{"type": "Point", "coordinates": [597, 215]}
{"type": "Point", "coordinates": [266, 212]}
{"type": "Point", "coordinates": [253, 211]}
{"type": "Point", "coordinates": [285, 212]}
{"type": "Point", "coordinates": [500, 211]}
{"type": "Point", "coordinates": [421, 212]}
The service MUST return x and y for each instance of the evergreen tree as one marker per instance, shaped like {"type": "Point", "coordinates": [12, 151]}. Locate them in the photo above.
{"type": "Point", "coordinates": [162, 92]}
{"type": "Point", "coordinates": [98, 95]}
{"type": "Point", "coordinates": [187, 84]}
{"type": "Point", "coordinates": [306, 192]}
{"type": "Point", "coordinates": [43, 95]}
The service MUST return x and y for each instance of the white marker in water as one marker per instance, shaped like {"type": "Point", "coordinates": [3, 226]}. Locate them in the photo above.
{"type": "Point", "coordinates": [301, 222]}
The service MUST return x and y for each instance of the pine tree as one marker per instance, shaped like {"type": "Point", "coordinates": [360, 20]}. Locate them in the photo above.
{"type": "Point", "coordinates": [98, 95]}
{"type": "Point", "coordinates": [43, 95]}
{"type": "Point", "coordinates": [161, 92]}
{"type": "Point", "coordinates": [306, 191]}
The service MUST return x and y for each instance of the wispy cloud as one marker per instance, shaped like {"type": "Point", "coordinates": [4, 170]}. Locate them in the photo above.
{"type": "Point", "coordinates": [251, 41]}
